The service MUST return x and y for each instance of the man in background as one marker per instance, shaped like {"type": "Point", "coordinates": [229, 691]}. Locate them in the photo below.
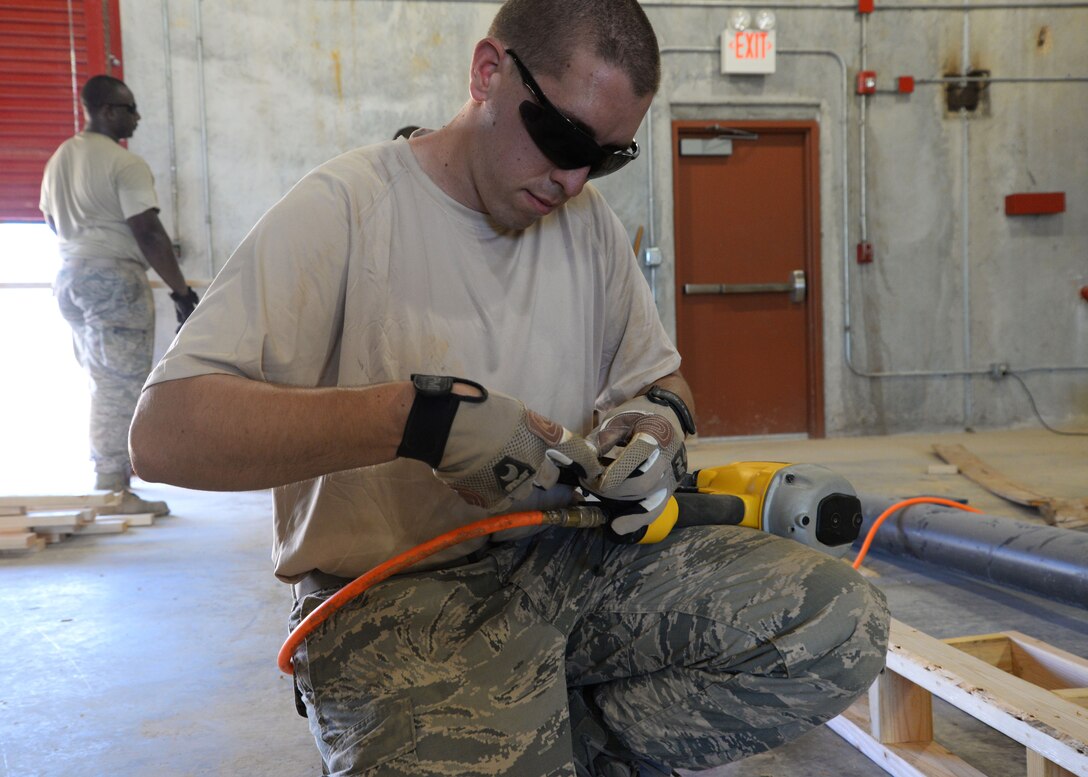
{"type": "Point", "coordinates": [99, 198]}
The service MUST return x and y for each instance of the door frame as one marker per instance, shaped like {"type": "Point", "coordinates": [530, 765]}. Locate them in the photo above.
{"type": "Point", "coordinates": [810, 131]}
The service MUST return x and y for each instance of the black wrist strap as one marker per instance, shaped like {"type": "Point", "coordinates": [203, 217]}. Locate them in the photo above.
{"type": "Point", "coordinates": [665, 397]}
{"type": "Point", "coordinates": [431, 417]}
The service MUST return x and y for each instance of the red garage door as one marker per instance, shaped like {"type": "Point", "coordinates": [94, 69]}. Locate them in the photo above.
{"type": "Point", "coordinates": [48, 48]}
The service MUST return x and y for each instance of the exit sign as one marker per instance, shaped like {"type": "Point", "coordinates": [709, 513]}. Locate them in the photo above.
{"type": "Point", "coordinates": [748, 51]}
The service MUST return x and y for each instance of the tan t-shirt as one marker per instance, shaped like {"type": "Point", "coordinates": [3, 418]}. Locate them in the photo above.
{"type": "Point", "coordinates": [366, 272]}
{"type": "Point", "coordinates": [90, 188]}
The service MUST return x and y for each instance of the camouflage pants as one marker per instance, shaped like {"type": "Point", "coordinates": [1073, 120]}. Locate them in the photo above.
{"type": "Point", "coordinates": [717, 643]}
{"type": "Point", "coordinates": [108, 304]}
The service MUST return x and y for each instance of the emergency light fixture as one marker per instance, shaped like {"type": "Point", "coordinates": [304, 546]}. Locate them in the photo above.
{"type": "Point", "coordinates": [749, 42]}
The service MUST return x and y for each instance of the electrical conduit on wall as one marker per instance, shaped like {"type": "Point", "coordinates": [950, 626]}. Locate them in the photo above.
{"type": "Point", "coordinates": [966, 8]}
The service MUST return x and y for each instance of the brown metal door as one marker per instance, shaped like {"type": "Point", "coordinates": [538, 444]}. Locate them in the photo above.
{"type": "Point", "coordinates": [747, 275]}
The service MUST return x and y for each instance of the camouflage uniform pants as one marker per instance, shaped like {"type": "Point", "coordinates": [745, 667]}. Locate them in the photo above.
{"type": "Point", "coordinates": [717, 643]}
{"type": "Point", "coordinates": [108, 304]}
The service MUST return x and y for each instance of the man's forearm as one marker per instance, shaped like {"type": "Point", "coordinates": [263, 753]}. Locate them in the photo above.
{"type": "Point", "coordinates": [225, 433]}
{"type": "Point", "coordinates": [675, 383]}
{"type": "Point", "coordinates": [159, 252]}
{"type": "Point", "coordinates": [157, 249]}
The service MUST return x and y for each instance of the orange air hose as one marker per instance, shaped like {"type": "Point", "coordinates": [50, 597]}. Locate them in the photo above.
{"type": "Point", "coordinates": [576, 517]}
{"type": "Point", "coordinates": [580, 517]}
{"type": "Point", "coordinates": [898, 506]}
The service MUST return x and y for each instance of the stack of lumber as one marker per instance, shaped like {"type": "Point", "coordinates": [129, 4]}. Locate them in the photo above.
{"type": "Point", "coordinates": [29, 523]}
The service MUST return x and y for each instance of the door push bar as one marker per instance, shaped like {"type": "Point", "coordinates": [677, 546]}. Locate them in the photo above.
{"type": "Point", "coordinates": [795, 287]}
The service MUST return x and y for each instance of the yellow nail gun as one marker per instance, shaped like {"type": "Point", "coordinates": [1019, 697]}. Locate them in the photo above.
{"type": "Point", "coordinates": [805, 502]}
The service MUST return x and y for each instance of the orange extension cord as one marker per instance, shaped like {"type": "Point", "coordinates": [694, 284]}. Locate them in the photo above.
{"type": "Point", "coordinates": [572, 517]}
{"type": "Point", "coordinates": [482, 528]}
{"type": "Point", "coordinates": [898, 506]}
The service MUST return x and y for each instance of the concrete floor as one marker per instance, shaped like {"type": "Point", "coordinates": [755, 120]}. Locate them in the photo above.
{"type": "Point", "coordinates": [153, 652]}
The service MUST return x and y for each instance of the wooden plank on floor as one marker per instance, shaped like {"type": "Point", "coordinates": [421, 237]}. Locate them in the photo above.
{"type": "Point", "coordinates": [18, 540]}
{"type": "Point", "coordinates": [10, 523]}
{"type": "Point", "coordinates": [103, 526]}
{"type": "Point", "coordinates": [1070, 513]}
{"type": "Point", "coordinates": [138, 519]}
{"type": "Point", "coordinates": [41, 520]}
{"type": "Point", "coordinates": [32, 502]}
{"type": "Point", "coordinates": [990, 479]}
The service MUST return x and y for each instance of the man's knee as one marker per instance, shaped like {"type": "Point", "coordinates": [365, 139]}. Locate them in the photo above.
{"type": "Point", "coordinates": [843, 640]}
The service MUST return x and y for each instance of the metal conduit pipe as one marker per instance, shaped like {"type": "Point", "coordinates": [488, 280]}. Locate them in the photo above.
{"type": "Point", "coordinates": [863, 126]}
{"type": "Point", "coordinates": [203, 100]}
{"type": "Point", "coordinates": [1044, 560]}
{"type": "Point", "coordinates": [802, 6]}
{"type": "Point", "coordinates": [1000, 80]}
{"type": "Point", "coordinates": [712, 4]}
{"type": "Point", "coordinates": [168, 78]}
{"type": "Point", "coordinates": [965, 207]}
{"type": "Point", "coordinates": [651, 233]}
{"type": "Point", "coordinates": [982, 7]}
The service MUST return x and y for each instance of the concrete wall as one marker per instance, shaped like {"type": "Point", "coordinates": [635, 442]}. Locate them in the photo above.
{"type": "Point", "coordinates": [956, 285]}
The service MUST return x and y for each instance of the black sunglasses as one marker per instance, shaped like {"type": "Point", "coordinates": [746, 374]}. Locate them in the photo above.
{"type": "Point", "coordinates": [562, 141]}
{"type": "Point", "coordinates": [130, 107]}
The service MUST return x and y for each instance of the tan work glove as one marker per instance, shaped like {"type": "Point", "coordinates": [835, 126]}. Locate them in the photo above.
{"type": "Point", "coordinates": [642, 442]}
{"type": "Point", "coordinates": [490, 449]}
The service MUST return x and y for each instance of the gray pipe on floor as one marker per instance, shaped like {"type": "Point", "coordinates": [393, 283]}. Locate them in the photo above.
{"type": "Point", "coordinates": [1045, 560]}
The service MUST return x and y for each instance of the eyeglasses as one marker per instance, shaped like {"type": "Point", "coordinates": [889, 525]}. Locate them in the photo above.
{"type": "Point", "coordinates": [130, 107]}
{"type": "Point", "coordinates": [562, 141]}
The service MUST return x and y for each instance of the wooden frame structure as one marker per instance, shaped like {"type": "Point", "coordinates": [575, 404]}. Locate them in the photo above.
{"type": "Point", "coordinates": [1027, 690]}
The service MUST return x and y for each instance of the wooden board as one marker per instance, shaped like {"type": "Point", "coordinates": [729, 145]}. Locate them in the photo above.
{"type": "Point", "coordinates": [1069, 513]}
{"type": "Point", "coordinates": [138, 519]}
{"type": "Point", "coordinates": [10, 523]}
{"type": "Point", "coordinates": [103, 526]}
{"type": "Point", "coordinates": [17, 540]}
{"type": "Point", "coordinates": [1039, 720]}
{"type": "Point", "coordinates": [39, 519]}
{"type": "Point", "coordinates": [61, 501]}
{"type": "Point", "coordinates": [1028, 658]}
{"type": "Point", "coordinates": [906, 759]}
{"type": "Point", "coordinates": [1053, 728]}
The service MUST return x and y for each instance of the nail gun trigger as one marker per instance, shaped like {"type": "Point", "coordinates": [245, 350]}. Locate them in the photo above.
{"type": "Point", "coordinates": [689, 483]}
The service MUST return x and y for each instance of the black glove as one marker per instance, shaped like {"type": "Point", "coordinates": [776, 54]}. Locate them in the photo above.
{"type": "Point", "coordinates": [490, 449]}
{"type": "Point", "coordinates": [184, 304]}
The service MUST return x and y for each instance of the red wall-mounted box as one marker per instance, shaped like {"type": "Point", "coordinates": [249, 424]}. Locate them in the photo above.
{"type": "Point", "coordinates": [1038, 204]}
{"type": "Point", "coordinates": [867, 82]}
